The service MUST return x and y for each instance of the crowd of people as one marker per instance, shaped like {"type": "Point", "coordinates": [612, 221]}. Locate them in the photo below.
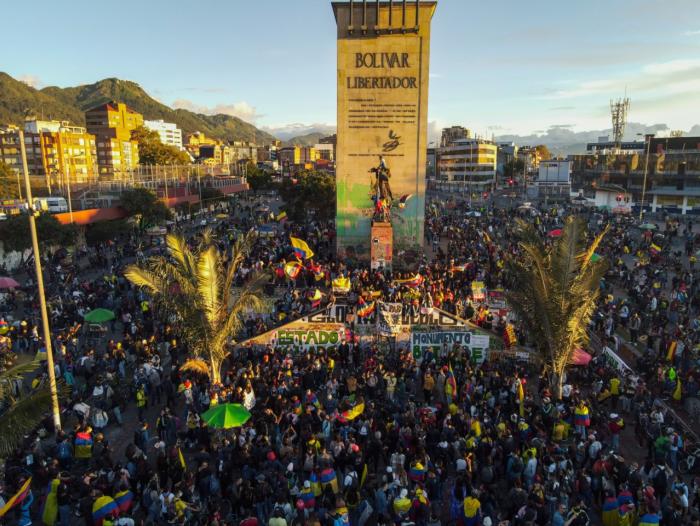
{"type": "Point", "coordinates": [361, 433]}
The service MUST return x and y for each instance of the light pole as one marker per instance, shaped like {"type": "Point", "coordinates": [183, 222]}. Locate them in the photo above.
{"type": "Point", "coordinates": [644, 183]}
{"type": "Point", "coordinates": [40, 285]}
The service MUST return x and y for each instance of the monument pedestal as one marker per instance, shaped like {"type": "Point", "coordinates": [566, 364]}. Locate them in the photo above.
{"type": "Point", "coordinates": [381, 245]}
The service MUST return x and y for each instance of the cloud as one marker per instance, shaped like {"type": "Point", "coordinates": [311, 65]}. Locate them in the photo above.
{"type": "Point", "coordinates": [672, 77]}
{"type": "Point", "coordinates": [31, 80]}
{"type": "Point", "coordinates": [691, 33]}
{"type": "Point", "coordinates": [562, 140]}
{"type": "Point", "coordinates": [672, 66]}
{"type": "Point", "coordinates": [435, 75]}
{"type": "Point", "coordinates": [562, 108]}
{"type": "Point", "coordinates": [242, 109]}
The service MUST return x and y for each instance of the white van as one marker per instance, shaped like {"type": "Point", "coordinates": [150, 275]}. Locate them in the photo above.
{"type": "Point", "coordinates": [53, 205]}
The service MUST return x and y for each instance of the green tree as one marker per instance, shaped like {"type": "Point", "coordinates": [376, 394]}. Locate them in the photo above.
{"type": "Point", "coordinates": [144, 206]}
{"type": "Point", "coordinates": [553, 291]}
{"type": "Point", "coordinates": [257, 178]}
{"type": "Point", "coordinates": [15, 233]}
{"type": "Point", "coordinates": [22, 413]}
{"type": "Point", "coordinates": [197, 286]}
{"type": "Point", "coordinates": [152, 151]}
{"type": "Point", "coordinates": [513, 168]}
{"type": "Point", "coordinates": [309, 192]}
{"type": "Point", "coordinates": [103, 231]}
{"type": "Point", "coordinates": [8, 182]}
{"type": "Point", "coordinates": [543, 151]}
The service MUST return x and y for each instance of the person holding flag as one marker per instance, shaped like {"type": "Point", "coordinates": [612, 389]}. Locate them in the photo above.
{"type": "Point", "coordinates": [301, 248]}
{"type": "Point", "coordinates": [450, 385]}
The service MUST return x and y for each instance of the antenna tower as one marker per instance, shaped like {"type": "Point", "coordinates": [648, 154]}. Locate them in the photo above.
{"type": "Point", "coordinates": [618, 110]}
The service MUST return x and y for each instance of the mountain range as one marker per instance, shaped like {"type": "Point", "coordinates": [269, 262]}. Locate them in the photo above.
{"type": "Point", "coordinates": [18, 100]}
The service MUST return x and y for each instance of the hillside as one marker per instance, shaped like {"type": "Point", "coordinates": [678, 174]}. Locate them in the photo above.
{"type": "Point", "coordinates": [18, 100]}
{"type": "Point", "coordinates": [305, 140]}
{"type": "Point", "coordinates": [70, 103]}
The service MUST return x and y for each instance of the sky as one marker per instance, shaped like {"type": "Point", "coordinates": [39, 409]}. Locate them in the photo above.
{"type": "Point", "coordinates": [506, 67]}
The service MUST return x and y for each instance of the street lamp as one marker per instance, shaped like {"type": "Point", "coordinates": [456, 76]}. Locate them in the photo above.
{"type": "Point", "coordinates": [644, 183]}
{"type": "Point", "coordinates": [40, 285]}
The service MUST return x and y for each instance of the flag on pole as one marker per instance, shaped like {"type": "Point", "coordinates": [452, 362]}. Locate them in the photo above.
{"type": "Point", "coordinates": [301, 249]}
{"type": "Point", "coordinates": [655, 248]}
{"type": "Point", "coordinates": [364, 475]}
{"type": "Point", "coordinates": [671, 351]}
{"type": "Point", "coordinates": [451, 383]}
{"type": "Point", "coordinates": [18, 497]}
{"type": "Point", "coordinates": [282, 216]}
{"type": "Point", "coordinates": [521, 399]}
{"type": "Point", "coordinates": [125, 499]}
{"type": "Point", "coordinates": [182, 459]}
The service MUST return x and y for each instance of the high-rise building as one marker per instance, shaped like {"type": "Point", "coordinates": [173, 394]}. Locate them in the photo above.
{"type": "Point", "coordinates": [468, 161]}
{"type": "Point", "coordinates": [168, 132]}
{"type": "Point", "coordinates": [58, 154]}
{"type": "Point", "coordinates": [453, 134]}
{"type": "Point", "coordinates": [112, 124]}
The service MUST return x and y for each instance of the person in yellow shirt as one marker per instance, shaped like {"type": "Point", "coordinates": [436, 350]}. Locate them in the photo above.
{"type": "Point", "coordinates": [614, 391]}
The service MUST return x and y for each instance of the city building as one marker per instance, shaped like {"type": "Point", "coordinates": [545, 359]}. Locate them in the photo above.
{"type": "Point", "coordinates": [59, 155]}
{"type": "Point", "coordinates": [112, 123]}
{"type": "Point", "coordinates": [214, 154]}
{"type": "Point", "coordinates": [507, 153]}
{"type": "Point", "coordinates": [553, 180]}
{"type": "Point", "coordinates": [325, 151]}
{"type": "Point", "coordinates": [244, 150]}
{"type": "Point", "coordinates": [470, 163]}
{"type": "Point", "coordinates": [454, 133]}
{"type": "Point", "coordinates": [669, 165]}
{"type": "Point", "coordinates": [168, 132]}
{"type": "Point", "coordinates": [531, 157]}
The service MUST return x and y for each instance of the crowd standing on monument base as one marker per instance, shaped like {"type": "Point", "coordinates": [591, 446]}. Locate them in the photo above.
{"type": "Point", "coordinates": [360, 433]}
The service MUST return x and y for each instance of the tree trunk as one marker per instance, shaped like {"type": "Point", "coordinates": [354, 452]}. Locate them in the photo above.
{"type": "Point", "coordinates": [215, 369]}
{"type": "Point", "coordinates": [556, 383]}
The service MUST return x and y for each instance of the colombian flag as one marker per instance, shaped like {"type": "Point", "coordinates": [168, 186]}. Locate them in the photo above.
{"type": "Point", "coordinates": [301, 249]}
{"type": "Point", "coordinates": [353, 413]}
{"type": "Point", "coordinates": [315, 484]}
{"type": "Point", "coordinates": [18, 497]}
{"type": "Point", "coordinates": [328, 478]}
{"type": "Point", "coordinates": [315, 298]}
{"type": "Point", "coordinates": [417, 472]}
{"type": "Point", "coordinates": [678, 391]}
{"type": "Point", "coordinates": [292, 269]}
{"type": "Point", "coordinates": [102, 508]}
{"type": "Point", "coordinates": [83, 445]}
{"type": "Point", "coordinates": [451, 383]}
{"type": "Point", "coordinates": [281, 216]}
{"type": "Point", "coordinates": [312, 399]}
{"type": "Point", "coordinates": [610, 512]}
{"type": "Point", "coordinates": [341, 284]}
{"type": "Point", "coordinates": [308, 498]}
{"type": "Point", "coordinates": [655, 248]}
{"type": "Point", "coordinates": [124, 500]}
{"type": "Point", "coordinates": [415, 281]}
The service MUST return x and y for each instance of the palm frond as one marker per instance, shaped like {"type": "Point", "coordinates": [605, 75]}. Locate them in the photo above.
{"type": "Point", "coordinates": [209, 286]}
{"type": "Point", "coordinates": [196, 365]}
{"type": "Point", "coordinates": [142, 277]}
{"type": "Point", "coordinates": [178, 249]}
{"type": "Point", "coordinates": [18, 372]}
{"type": "Point", "coordinates": [23, 415]}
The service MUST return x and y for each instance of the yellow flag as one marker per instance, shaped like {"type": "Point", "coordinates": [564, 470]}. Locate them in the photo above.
{"type": "Point", "coordinates": [678, 391]}
{"type": "Point", "coordinates": [182, 459]}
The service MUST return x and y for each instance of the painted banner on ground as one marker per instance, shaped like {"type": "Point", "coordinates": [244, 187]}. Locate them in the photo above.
{"type": "Point", "coordinates": [477, 344]}
{"type": "Point", "coordinates": [389, 318]}
{"type": "Point", "coordinates": [302, 335]}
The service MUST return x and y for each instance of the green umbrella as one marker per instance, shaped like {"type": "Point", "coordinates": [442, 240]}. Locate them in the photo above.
{"type": "Point", "coordinates": [648, 226]}
{"type": "Point", "coordinates": [99, 316]}
{"type": "Point", "coordinates": [595, 257]}
{"type": "Point", "coordinates": [225, 416]}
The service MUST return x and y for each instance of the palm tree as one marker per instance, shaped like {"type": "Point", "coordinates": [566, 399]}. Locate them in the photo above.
{"type": "Point", "coordinates": [197, 286]}
{"type": "Point", "coordinates": [21, 413]}
{"type": "Point", "coordinates": [554, 291]}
